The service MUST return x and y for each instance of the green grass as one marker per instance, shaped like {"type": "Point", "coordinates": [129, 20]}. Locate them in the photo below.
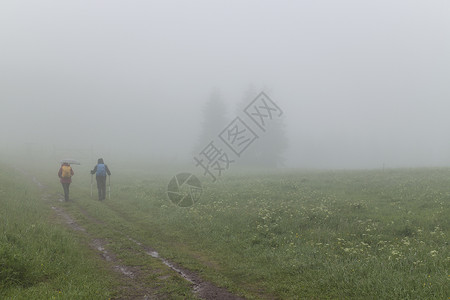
{"type": "Point", "coordinates": [39, 260]}
{"type": "Point", "coordinates": [313, 235]}
{"type": "Point", "coordinates": [347, 234]}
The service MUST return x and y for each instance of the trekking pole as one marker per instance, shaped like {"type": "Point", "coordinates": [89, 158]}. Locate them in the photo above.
{"type": "Point", "coordinates": [92, 175]}
{"type": "Point", "coordinates": [109, 187]}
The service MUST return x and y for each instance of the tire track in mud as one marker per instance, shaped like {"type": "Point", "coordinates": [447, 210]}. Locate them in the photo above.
{"type": "Point", "coordinates": [134, 287]}
{"type": "Point", "coordinates": [201, 288]}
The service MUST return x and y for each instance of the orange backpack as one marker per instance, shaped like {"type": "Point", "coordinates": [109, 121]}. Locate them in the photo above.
{"type": "Point", "coordinates": [66, 171]}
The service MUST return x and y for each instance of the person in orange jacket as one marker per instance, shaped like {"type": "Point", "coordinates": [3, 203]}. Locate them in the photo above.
{"type": "Point", "coordinates": [65, 174]}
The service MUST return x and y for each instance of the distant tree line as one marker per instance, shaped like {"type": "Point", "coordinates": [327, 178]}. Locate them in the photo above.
{"type": "Point", "coordinates": [266, 151]}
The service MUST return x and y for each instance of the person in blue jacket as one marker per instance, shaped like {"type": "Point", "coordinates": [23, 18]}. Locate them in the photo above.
{"type": "Point", "coordinates": [100, 171]}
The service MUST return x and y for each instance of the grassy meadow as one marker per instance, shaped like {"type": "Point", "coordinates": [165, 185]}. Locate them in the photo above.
{"type": "Point", "coordinates": [347, 234]}
{"type": "Point", "coordinates": [39, 260]}
{"type": "Point", "coordinates": [284, 235]}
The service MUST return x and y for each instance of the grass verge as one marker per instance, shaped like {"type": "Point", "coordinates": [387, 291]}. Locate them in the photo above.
{"type": "Point", "coordinates": [39, 260]}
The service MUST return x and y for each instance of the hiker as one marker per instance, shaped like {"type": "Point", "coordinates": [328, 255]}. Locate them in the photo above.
{"type": "Point", "coordinates": [101, 170]}
{"type": "Point", "coordinates": [65, 174]}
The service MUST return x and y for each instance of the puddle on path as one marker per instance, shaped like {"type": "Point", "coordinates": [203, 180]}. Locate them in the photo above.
{"type": "Point", "coordinates": [203, 289]}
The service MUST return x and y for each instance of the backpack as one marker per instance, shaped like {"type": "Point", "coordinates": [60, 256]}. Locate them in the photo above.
{"type": "Point", "coordinates": [101, 170]}
{"type": "Point", "coordinates": [66, 172]}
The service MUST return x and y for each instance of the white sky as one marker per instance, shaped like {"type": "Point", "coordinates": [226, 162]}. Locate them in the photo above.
{"type": "Point", "coordinates": [362, 83]}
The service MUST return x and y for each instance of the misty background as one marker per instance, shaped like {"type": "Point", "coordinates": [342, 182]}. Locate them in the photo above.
{"type": "Point", "coordinates": [362, 84]}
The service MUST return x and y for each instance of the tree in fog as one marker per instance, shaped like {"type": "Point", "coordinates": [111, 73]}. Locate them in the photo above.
{"type": "Point", "coordinates": [267, 151]}
{"type": "Point", "coordinates": [214, 120]}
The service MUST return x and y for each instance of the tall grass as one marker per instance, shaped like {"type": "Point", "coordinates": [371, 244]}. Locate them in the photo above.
{"type": "Point", "coordinates": [38, 259]}
{"type": "Point", "coordinates": [348, 234]}
{"type": "Point", "coordinates": [314, 235]}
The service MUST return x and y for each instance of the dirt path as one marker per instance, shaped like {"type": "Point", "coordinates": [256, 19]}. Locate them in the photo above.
{"type": "Point", "coordinates": [133, 278]}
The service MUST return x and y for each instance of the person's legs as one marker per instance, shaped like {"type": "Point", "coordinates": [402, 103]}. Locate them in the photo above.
{"type": "Point", "coordinates": [99, 185]}
{"type": "Point", "coordinates": [66, 191]}
{"type": "Point", "coordinates": [104, 188]}
{"type": "Point", "coordinates": [67, 188]}
{"type": "Point", "coordinates": [101, 182]}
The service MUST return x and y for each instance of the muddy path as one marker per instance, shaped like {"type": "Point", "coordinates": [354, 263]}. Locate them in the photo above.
{"type": "Point", "coordinates": [134, 279]}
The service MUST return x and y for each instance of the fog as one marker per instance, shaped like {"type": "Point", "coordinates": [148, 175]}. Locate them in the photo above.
{"type": "Point", "coordinates": [362, 84]}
